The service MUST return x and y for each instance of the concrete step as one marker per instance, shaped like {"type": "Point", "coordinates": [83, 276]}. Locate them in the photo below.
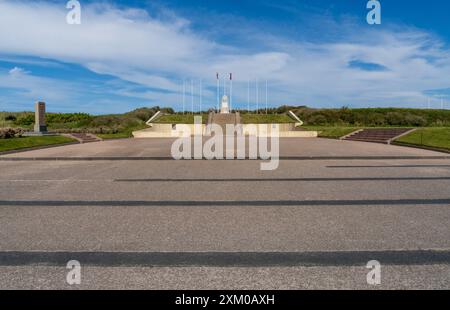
{"type": "Point", "coordinates": [376, 135]}
{"type": "Point", "coordinates": [85, 137]}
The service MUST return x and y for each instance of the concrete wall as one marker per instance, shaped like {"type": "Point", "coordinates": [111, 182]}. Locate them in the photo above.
{"type": "Point", "coordinates": [176, 130]}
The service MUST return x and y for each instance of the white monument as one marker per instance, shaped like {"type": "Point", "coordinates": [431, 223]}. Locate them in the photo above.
{"type": "Point", "coordinates": [224, 106]}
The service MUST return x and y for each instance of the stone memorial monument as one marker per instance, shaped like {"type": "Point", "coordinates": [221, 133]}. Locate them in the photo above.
{"type": "Point", "coordinates": [40, 124]}
{"type": "Point", "coordinates": [224, 106]}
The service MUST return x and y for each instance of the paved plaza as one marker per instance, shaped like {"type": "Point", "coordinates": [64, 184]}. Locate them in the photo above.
{"type": "Point", "coordinates": [135, 218]}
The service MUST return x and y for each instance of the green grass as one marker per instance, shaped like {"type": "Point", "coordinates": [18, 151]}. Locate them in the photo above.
{"type": "Point", "coordinates": [331, 132]}
{"type": "Point", "coordinates": [245, 118]}
{"type": "Point", "coordinates": [429, 137]}
{"type": "Point", "coordinates": [266, 119]}
{"type": "Point", "coordinates": [180, 119]}
{"type": "Point", "coordinates": [126, 133]}
{"type": "Point", "coordinates": [119, 135]}
{"type": "Point", "coordinates": [28, 142]}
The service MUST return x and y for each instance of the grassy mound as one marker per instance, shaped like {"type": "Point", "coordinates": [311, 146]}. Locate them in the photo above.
{"type": "Point", "coordinates": [180, 119]}
{"type": "Point", "coordinates": [266, 119]}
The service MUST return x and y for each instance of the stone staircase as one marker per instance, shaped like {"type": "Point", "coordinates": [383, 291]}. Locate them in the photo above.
{"type": "Point", "coordinates": [223, 119]}
{"type": "Point", "coordinates": [378, 135]}
{"type": "Point", "coordinates": [85, 137]}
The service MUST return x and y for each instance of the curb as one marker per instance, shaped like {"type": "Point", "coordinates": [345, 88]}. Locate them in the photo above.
{"type": "Point", "coordinates": [168, 158]}
{"type": "Point", "coordinates": [422, 147]}
{"type": "Point", "coordinates": [36, 148]}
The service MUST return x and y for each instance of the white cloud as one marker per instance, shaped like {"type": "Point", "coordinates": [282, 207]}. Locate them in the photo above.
{"type": "Point", "coordinates": [134, 46]}
{"type": "Point", "coordinates": [17, 72]}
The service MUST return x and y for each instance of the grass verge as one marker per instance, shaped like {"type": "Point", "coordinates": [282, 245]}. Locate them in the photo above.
{"type": "Point", "coordinates": [180, 119]}
{"type": "Point", "coordinates": [119, 135]}
{"type": "Point", "coordinates": [266, 119]}
{"type": "Point", "coordinates": [332, 132]}
{"type": "Point", "coordinates": [428, 137]}
{"type": "Point", "coordinates": [29, 142]}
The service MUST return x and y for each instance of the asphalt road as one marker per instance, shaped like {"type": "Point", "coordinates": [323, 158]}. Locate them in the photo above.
{"type": "Point", "coordinates": [161, 224]}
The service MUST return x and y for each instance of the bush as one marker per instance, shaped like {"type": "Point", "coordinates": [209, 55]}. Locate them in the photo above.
{"type": "Point", "coordinates": [317, 120]}
{"type": "Point", "coordinates": [11, 118]}
{"type": "Point", "coordinates": [394, 118]}
{"type": "Point", "coordinates": [60, 118]}
{"type": "Point", "coordinates": [415, 120]}
{"type": "Point", "coordinates": [375, 119]}
{"type": "Point", "coordinates": [25, 120]}
{"type": "Point", "coordinates": [8, 133]}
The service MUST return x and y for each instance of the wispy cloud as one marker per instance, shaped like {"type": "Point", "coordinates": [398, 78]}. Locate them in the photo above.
{"type": "Point", "coordinates": [147, 57]}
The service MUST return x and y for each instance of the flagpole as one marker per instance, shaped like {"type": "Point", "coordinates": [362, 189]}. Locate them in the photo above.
{"type": "Point", "coordinates": [218, 91]}
{"type": "Point", "coordinates": [201, 93]}
{"type": "Point", "coordinates": [192, 96]}
{"type": "Point", "coordinates": [184, 95]}
{"type": "Point", "coordinates": [248, 96]}
{"type": "Point", "coordinates": [257, 96]}
{"type": "Point", "coordinates": [266, 97]}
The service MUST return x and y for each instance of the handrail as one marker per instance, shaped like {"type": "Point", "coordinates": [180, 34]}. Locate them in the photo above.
{"type": "Point", "coordinates": [299, 121]}
{"type": "Point", "coordinates": [155, 116]}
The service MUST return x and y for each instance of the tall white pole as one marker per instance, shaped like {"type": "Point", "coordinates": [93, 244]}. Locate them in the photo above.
{"type": "Point", "coordinates": [248, 96]}
{"type": "Point", "coordinates": [257, 96]}
{"type": "Point", "coordinates": [201, 93]}
{"type": "Point", "coordinates": [218, 91]}
{"type": "Point", "coordinates": [442, 102]}
{"type": "Point", "coordinates": [184, 95]}
{"type": "Point", "coordinates": [192, 96]}
{"type": "Point", "coordinates": [266, 97]}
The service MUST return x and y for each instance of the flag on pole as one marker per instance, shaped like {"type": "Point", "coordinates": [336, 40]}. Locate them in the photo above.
{"type": "Point", "coordinates": [231, 76]}
{"type": "Point", "coordinates": [217, 75]}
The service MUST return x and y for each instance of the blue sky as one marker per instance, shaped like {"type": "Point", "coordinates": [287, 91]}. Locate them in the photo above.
{"type": "Point", "coordinates": [129, 54]}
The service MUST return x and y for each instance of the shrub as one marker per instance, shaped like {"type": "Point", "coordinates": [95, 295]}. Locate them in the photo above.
{"type": "Point", "coordinates": [11, 118]}
{"type": "Point", "coordinates": [8, 133]}
{"type": "Point", "coordinates": [317, 120]}
{"type": "Point", "coordinates": [60, 118]}
{"type": "Point", "coordinates": [414, 120]}
{"type": "Point", "coordinates": [375, 119]}
{"type": "Point", "coordinates": [25, 120]}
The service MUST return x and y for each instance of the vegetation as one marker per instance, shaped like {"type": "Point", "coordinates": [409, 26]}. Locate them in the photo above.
{"type": "Point", "coordinates": [181, 118]}
{"type": "Point", "coordinates": [374, 117]}
{"type": "Point", "coordinates": [329, 122]}
{"type": "Point", "coordinates": [332, 132]}
{"type": "Point", "coordinates": [119, 135]}
{"type": "Point", "coordinates": [266, 119]}
{"type": "Point", "coordinates": [29, 142]}
{"type": "Point", "coordinates": [8, 133]}
{"type": "Point", "coordinates": [121, 125]}
{"type": "Point", "coordinates": [429, 137]}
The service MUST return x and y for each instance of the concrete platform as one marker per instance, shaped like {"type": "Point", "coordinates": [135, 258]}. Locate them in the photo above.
{"type": "Point", "coordinates": [289, 147]}
{"type": "Point", "coordinates": [172, 131]}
